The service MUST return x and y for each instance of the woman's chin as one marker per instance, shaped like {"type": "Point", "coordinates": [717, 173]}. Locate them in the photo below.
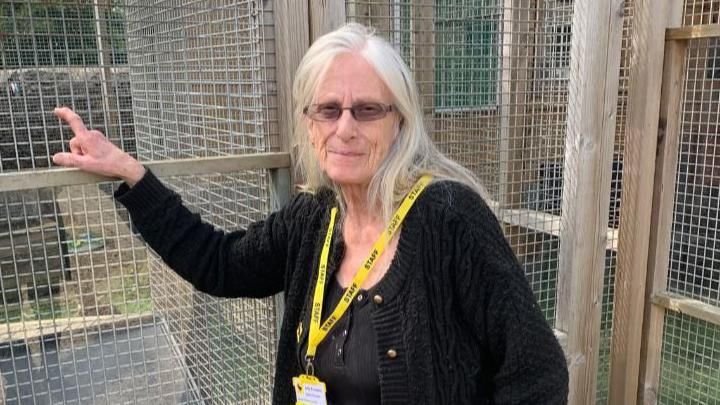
{"type": "Point", "coordinates": [346, 179]}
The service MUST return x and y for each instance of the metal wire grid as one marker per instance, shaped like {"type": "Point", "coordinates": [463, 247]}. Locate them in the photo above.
{"type": "Point", "coordinates": [695, 251]}
{"type": "Point", "coordinates": [691, 355]}
{"type": "Point", "coordinates": [51, 55]}
{"type": "Point", "coordinates": [690, 368]}
{"type": "Point", "coordinates": [537, 150]}
{"type": "Point", "coordinates": [101, 324]}
{"type": "Point", "coordinates": [201, 78]}
{"type": "Point", "coordinates": [82, 323]}
{"type": "Point", "coordinates": [202, 86]}
{"type": "Point", "coordinates": [505, 64]}
{"type": "Point", "coordinates": [77, 313]}
{"type": "Point", "coordinates": [228, 345]}
{"type": "Point", "coordinates": [699, 12]}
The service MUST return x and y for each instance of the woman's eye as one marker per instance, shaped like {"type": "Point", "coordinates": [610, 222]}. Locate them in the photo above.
{"type": "Point", "coordinates": [327, 109]}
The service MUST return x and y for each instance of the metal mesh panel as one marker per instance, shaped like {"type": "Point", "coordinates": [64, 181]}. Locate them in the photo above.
{"type": "Point", "coordinates": [699, 12]}
{"type": "Point", "coordinates": [78, 323]}
{"type": "Point", "coordinates": [228, 345]}
{"type": "Point", "coordinates": [695, 252]}
{"type": "Point", "coordinates": [690, 361]}
{"type": "Point", "coordinates": [493, 78]}
{"type": "Point", "coordinates": [200, 85]}
{"type": "Point", "coordinates": [690, 346]}
{"type": "Point", "coordinates": [89, 316]}
{"type": "Point", "coordinates": [200, 78]}
{"type": "Point", "coordinates": [50, 55]}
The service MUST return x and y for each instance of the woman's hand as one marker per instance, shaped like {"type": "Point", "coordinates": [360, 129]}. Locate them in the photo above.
{"type": "Point", "coordinates": [92, 152]}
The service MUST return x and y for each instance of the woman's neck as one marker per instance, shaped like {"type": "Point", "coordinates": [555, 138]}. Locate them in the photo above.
{"type": "Point", "coordinates": [359, 216]}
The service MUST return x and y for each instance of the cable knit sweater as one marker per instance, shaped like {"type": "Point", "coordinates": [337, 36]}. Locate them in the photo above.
{"type": "Point", "coordinates": [456, 309]}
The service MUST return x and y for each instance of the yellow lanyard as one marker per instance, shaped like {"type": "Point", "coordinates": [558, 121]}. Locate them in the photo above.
{"type": "Point", "coordinates": [318, 332]}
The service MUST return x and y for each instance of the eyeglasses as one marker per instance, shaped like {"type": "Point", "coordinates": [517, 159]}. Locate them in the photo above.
{"type": "Point", "coordinates": [360, 111]}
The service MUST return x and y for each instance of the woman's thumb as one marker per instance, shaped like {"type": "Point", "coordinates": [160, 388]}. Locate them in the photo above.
{"type": "Point", "coordinates": [66, 159]}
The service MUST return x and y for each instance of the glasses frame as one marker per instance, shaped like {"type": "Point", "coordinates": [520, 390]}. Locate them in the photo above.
{"type": "Point", "coordinates": [386, 108]}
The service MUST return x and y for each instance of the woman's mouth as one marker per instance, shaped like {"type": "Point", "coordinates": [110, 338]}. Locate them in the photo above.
{"type": "Point", "coordinates": [345, 153]}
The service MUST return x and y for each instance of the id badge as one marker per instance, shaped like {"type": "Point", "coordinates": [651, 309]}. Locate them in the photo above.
{"type": "Point", "coordinates": [309, 390]}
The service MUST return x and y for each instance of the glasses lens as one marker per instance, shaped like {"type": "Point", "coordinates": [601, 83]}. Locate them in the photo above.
{"type": "Point", "coordinates": [361, 112]}
{"type": "Point", "coordinates": [325, 112]}
{"type": "Point", "coordinates": [369, 111]}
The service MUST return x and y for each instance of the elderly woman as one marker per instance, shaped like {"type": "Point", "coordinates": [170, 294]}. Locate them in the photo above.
{"type": "Point", "coordinates": [399, 285]}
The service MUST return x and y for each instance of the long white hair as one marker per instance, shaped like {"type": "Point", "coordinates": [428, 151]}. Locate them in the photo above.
{"type": "Point", "coordinates": [411, 155]}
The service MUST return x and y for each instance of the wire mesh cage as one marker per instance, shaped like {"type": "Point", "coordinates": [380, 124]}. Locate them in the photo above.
{"type": "Point", "coordinates": [89, 316]}
{"type": "Point", "coordinates": [690, 352]}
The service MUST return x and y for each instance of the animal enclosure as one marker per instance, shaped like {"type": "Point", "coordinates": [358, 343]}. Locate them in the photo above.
{"type": "Point", "coordinates": [593, 125]}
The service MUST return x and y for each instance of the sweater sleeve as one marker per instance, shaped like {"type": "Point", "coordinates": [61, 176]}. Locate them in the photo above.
{"type": "Point", "coordinates": [527, 365]}
{"type": "Point", "coordinates": [243, 263]}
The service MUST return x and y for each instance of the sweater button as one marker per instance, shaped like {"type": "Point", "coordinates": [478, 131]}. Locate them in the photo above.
{"type": "Point", "coordinates": [392, 353]}
{"type": "Point", "coordinates": [378, 299]}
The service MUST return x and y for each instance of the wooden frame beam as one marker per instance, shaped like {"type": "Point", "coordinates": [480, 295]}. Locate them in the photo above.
{"type": "Point", "coordinates": [650, 20]}
{"type": "Point", "coordinates": [661, 217]}
{"type": "Point", "coordinates": [325, 16]}
{"type": "Point", "coordinates": [291, 21]}
{"type": "Point", "coordinates": [30, 180]}
{"type": "Point", "coordinates": [688, 306]}
{"type": "Point", "coordinates": [592, 101]}
{"type": "Point", "coordinates": [693, 32]}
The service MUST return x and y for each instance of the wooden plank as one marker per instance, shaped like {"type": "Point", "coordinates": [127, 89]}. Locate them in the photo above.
{"type": "Point", "coordinates": [520, 20]}
{"type": "Point", "coordinates": [519, 23]}
{"type": "Point", "coordinates": [548, 224]}
{"type": "Point", "coordinates": [109, 98]}
{"type": "Point", "coordinates": [35, 179]}
{"type": "Point", "coordinates": [693, 32]}
{"type": "Point", "coordinates": [650, 20]}
{"type": "Point", "coordinates": [661, 217]}
{"type": "Point", "coordinates": [422, 39]}
{"type": "Point", "coordinates": [325, 16]}
{"type": "Point", "coordinates": [687, 306]}
{"type": "Point", "coordinates": [592, 103]}
{"type": "Point", "coordinates": [292, 39]}
{"type": "Point", "coordinates": [562, 339]}
{"type": "Point", "coordinates": [31, 330]}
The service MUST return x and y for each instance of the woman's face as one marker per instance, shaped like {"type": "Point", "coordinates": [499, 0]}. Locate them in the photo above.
{"type": "Point", "coordinates": [350, 151]}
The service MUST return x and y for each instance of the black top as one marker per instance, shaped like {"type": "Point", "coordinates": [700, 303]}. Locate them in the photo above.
{"type": "Point", "coordinates": [346, 359]}
{"type": "Point", "coordinates": [458, 322]}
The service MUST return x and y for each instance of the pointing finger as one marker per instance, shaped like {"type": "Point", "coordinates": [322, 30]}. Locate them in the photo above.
{"type": "Point", "coordinates": [72, 119]}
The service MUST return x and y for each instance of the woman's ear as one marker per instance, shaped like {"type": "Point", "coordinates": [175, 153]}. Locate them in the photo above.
{"type": "Point", "coordinates": [310, 126]}
{"type": "Point", "coordinates": [399, 123]}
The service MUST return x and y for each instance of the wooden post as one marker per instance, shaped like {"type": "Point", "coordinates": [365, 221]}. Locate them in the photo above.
{"type": "Point", "coordinates": [517, 53]}
{"type": "Point", "coordinates": [661, 217]}
{"type": "Point", "coordinates": [291, 41]}
{"type": "Point", "coordinates": [325, 16]}
{"type": "Point", "coordinates": [592, 103]}
{"type": "Point", "coordinates": [520, 21]}
{"type": "Point", "coordinates": [422, 41]}
{"type": "Point", "coordinates": [650, 20]}
{"type": "Point", "coordinates": [111, 113]}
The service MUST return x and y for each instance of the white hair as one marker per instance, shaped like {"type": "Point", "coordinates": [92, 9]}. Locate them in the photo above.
{"type": "Point", "coordinates": [411, 155]}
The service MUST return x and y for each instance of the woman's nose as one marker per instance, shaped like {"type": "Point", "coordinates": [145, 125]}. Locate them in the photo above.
{"type": "Point", "coordinates": [346, 125]}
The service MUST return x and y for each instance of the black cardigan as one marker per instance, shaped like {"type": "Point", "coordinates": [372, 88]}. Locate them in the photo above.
{"type": "Point", "coordinates": [458, 322]}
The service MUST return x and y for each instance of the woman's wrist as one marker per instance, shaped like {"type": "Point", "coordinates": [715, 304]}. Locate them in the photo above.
{"type": "Point", "coordinates": [134, 174]}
